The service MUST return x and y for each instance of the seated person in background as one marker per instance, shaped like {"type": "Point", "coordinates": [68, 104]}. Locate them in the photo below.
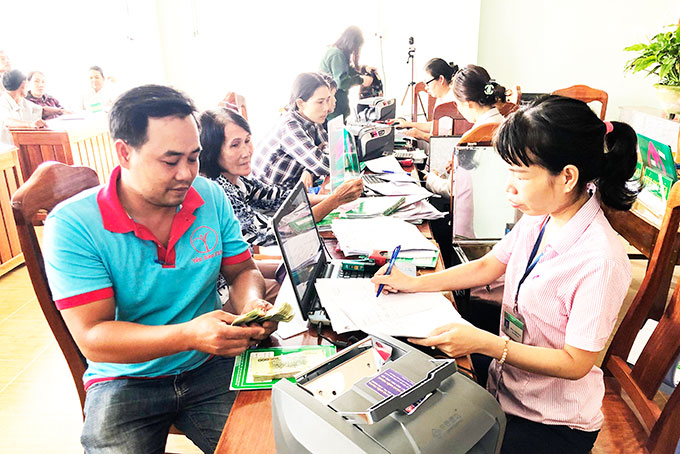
{"type": "Point", "coordinates": [36, 94]}
{"type": "Point", "coordinates": [225, 158]}
{"type": "Point", "coordinates": [15, 110]}
{"type": "Point", "coordinates": [334, 88]}
{"type": "Point", "coordinates": [100, 96]}
{"type": "Point", "coordinates": [133, 268]}
{"type": "Point", "coordinates": [476, 95]}
{"type": "Point", "coordinates": [566, 275]}
{"type": "Point", "coordinates": [298, 141]}
{"type": "Point", "coordinates": [439, 84]}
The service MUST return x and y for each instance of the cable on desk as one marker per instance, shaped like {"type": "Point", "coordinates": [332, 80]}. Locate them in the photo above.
{"type": "Point", "coordinates": [338, 344]}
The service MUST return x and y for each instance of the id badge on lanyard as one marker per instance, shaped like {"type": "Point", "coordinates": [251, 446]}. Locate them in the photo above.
{"type": "Point", "coordinates": [513, 322]}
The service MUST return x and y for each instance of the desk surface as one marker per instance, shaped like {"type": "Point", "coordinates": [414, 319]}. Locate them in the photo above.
{"type": "Point", "coordinates": [249, 426]}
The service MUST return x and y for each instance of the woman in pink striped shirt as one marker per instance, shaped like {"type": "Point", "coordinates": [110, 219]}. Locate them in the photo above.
{"type": "Point", "coordinates": [566, 275]}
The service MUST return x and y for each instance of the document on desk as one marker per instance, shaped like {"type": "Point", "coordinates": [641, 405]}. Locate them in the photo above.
{"type": "Point", "coordinates": [398, 188]}
{"type": "Point", "coordinates": [363, 236]}
{"type": "Point", "coordinates": [352, 305]}
{"type": "Point", "coordinates": [384, 164]}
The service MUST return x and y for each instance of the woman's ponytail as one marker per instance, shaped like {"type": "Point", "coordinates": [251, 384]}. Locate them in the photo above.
{"type": "Point", "coordinates": [620, 158]}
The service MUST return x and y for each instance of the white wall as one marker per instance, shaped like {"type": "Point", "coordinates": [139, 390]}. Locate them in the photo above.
{"type": "Point", "coordinates": [545, 45]}
{"type": "Point", "coordinates": [257, 48]}
{"type": "Point", "coordinates": [64, 38]}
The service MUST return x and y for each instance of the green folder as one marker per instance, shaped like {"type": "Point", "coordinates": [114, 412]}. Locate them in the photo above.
{"type": "Point", "coordinates": [240, 377]}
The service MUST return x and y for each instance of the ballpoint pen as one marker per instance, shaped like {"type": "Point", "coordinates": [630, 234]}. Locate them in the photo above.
{"type": "Point", "coordinates": [395, 253]}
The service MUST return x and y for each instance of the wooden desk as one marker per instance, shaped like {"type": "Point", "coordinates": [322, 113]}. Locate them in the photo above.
{"type": "Point", "coordinates": [642, 233]}
{"type": "Point", "coordinates": [10, 179]}
{"type": "Point", "coordinates": [74, 142]}
{"type": "Point", "coordinates": [249, 427]}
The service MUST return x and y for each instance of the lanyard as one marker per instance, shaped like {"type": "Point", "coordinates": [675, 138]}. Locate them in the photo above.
{"type": "Point", "coordinates": [533, 260]}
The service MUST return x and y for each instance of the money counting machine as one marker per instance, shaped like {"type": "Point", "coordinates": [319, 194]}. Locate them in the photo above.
{"type": "Point", "coordinates": [383, 396]}
{"type": "Point", "coordinates": [371, 134]}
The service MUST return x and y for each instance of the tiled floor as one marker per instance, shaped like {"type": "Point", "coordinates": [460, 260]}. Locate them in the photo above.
{"type": "Point", "coordinates": [39, 407]}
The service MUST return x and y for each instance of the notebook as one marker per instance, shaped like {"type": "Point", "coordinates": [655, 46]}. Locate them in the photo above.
{"type": "Point", "coordinates": [304, 255]}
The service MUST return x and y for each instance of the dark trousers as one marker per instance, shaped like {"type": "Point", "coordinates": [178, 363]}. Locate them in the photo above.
{"type": "Point", "coordinates": [524, 436]}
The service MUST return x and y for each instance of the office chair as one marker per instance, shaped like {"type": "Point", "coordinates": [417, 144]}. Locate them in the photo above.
{"type": "Point", "coordinates": [417, 101]}
{"type": "Point", "coordinates": [449, 109]}
{"type": "Point", "coordinates": [513, 99]}
{"type": "Point", "coordinates": [587, 95]}
{"type": "Point", "coordinates": [51, 183]}
{"type": "Point", "coordinates": [656, 429]}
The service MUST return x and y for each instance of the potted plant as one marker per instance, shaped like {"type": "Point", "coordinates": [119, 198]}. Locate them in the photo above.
{"type": "Point", "coordinates": [661, 56]}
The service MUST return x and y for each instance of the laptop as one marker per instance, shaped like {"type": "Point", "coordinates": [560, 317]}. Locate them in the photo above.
{"type": "Point", "coordinates": [304, 255]}
{"type": "Point", "coordinates": [441, 152]}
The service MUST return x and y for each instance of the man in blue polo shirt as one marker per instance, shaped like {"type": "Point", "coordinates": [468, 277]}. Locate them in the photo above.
{"type": "Point", "coordinates": [133, 267]}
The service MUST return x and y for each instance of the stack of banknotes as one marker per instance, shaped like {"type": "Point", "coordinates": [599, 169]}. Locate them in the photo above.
{"type": "Point", "coordinates": [284, 366]}
{"type": "Point", "coordinates": [281, 312]}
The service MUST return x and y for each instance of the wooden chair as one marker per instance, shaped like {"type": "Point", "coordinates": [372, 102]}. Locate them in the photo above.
{"type": "Point", "coordinates": [51, 183]}
{"type": "Point", "coordinates": [449, 109]}
{"type": "Point", "coordinates": [587, 95]}
{"type": "Point", "coordinates": [236, 102]}
{"type": "Point", "coordinates": [513, 98]}
{"type": "Point", "coordinates": [417, 101]}
{"type": "Point", "coordinates": [656, 429]}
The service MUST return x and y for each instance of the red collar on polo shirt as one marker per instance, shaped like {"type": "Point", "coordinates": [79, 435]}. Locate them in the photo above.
{"type": "Point", "coordinates": [116, 220]}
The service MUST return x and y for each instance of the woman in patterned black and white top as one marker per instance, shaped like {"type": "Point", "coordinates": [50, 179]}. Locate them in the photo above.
{"type": "Point", "coordinates": [225, 158]}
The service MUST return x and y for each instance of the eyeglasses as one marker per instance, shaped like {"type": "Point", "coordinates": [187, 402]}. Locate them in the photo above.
{"type": "Point", "coordinates": [431, 80]}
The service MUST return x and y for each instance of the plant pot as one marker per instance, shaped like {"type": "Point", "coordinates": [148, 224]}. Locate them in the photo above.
{"type": "Point", "coordinates": [669, 96]}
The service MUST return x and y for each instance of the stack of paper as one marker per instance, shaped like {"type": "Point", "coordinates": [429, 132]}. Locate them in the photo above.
{"type": "Point", "coordinates": [352, 305]}
{"type": "Point", "coordinates": [419, 211]}
{"type": "Point", "coordinates": [363, 236]}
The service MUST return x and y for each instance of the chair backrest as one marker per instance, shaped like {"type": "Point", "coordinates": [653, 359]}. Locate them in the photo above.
{"type": "Point", "coordinates": [50, 183]}
{"type": "Point", "coordinates": [587, 95]}
{"type": "Point", "coordinates": [417, 101]}
{"type": "Point", "coordinates": [236, 102]}
{"type": "Point", "coordinates": [482, 135]}
{"type": "Point", "coordinates": [642, 381]}
{"type": "Point", "coordinates": [513, 98]}
{"type": "Point", "coordinates": [449, 109]}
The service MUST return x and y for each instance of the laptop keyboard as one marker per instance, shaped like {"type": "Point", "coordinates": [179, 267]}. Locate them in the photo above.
{"type": "Point", "coordinates": [371, 179]}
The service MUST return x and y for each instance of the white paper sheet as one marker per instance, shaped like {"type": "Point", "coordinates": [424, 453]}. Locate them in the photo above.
{"type": "Point", "coordinates": [385, 163]}
{"type": "Point", "coordinates": [384, 233]}
{"type": "Point", "coordinates": [352, 305]}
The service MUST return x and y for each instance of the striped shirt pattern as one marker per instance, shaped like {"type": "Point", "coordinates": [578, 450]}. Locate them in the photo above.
{"type": "Point", "coordinates": [572, 296]}
{"type": "Point", "coordinates": [254, 203]}
{"type": "Point", "coordinates": [294, 145]}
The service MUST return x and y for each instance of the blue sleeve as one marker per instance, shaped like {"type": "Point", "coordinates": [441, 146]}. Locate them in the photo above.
{"type": "Point", "coordinates": [75, 270]}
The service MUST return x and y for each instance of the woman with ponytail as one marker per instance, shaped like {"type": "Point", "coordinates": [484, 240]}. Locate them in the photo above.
{"type": "Point", "coordinates": [438, 83]}
{"type": "Point", "coordinates": [566, 275]}
{"type": "Point", "coordinates": [476, 95]}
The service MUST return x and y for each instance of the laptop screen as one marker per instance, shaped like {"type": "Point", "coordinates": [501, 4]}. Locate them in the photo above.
{"type": "Point", "coordinates": [300, 245]}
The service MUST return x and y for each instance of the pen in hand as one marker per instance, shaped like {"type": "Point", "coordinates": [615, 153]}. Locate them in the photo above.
{"type": "Point", "coordinates": [395, 253]}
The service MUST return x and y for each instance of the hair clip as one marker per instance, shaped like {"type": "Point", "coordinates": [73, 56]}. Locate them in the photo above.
{"type": "Point", "coordinates": [489, 87]}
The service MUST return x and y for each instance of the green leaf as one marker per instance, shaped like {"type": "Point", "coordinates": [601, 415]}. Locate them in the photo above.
{"type": "Point", "coordinates": [635, 47]}
{"type": "Point", "coordinates": [643, 64]}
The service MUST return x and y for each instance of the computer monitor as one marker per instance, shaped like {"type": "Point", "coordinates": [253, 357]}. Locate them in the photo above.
{"type": "Point", "coordinates": [343, 156]}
